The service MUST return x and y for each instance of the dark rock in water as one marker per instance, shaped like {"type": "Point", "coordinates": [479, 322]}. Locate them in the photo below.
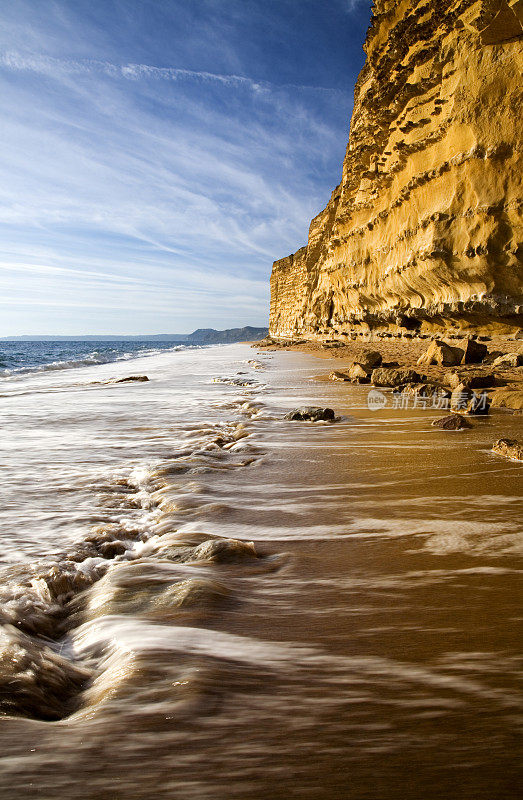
{"type": "Point", "coordinates": [371, 360]}
{"type": "Point", "coordinates": [394, 377]}
{"type": "Point", "coordinates": [176, 552]}
{"type": "Point", "coordinates": [510, 448]}
{"type": "Point", "coordinates": [422, 389]}
{"type": "Point", "coordinates": [358, 373]}
{"type": "Point", "coordinates": [235, 381]}
{"type": "Point", "coordinates": [311, 414]}
{"type": "Point", "coordinates": [112, 549]}
{"type": "Point", "coordinates": [474, 352]}
{"type": "Point", "coordinates": [132, 379]}
{"type": "Point", "coordinates": [198, 547]}
{"type": "Point", "coordinates": [225, 551]}
{"type": "Point", "coordinates": [452, 422]}
{"type": "Point", "coordinates": [187, 595]}
{"type": "Point", "coordinates": [423, 394]}
{"type": "Point", "coordinates": [465, 401]}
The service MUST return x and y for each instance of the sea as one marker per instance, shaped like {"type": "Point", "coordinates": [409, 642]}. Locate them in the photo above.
{"type": "Point", "coordinates": [203, 600]}
{"type": "Point", "coordinates": [24, 357]}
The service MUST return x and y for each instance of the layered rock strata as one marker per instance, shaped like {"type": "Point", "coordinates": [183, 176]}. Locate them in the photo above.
{"type": "Point", "coordinates": [424, 229]}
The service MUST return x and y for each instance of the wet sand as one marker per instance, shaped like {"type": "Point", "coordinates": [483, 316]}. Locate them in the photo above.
{"type": "Point", "coordinates": [268, 608]}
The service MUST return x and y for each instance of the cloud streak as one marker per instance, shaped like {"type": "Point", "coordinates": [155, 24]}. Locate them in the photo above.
{"type": "Point", "coordinates": [54, 67]}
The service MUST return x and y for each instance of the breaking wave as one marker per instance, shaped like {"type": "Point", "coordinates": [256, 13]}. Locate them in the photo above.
{"type": "Point", "coordinates": [37, 357]}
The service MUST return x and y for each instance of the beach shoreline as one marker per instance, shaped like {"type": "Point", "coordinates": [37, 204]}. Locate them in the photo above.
{"type": "Point", "coordinates": [505, 388]}
{"type": "Point", "coordinates": [243, 568]}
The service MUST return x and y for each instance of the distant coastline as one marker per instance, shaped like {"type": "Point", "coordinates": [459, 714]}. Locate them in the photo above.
{"type": "Point", "coordinates": [199, 336]}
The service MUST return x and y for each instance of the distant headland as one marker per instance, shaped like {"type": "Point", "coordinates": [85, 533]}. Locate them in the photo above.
{"type": "Point", "coordinates": [200, 336]}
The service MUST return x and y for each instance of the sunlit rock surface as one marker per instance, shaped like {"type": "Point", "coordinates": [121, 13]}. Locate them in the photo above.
{"type": "Point", "coordinates": [425, 226]}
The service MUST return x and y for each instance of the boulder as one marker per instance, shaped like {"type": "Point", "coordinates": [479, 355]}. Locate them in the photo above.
{"type": "Point", "coordinates": [338, 376]}
{"type": "Point", "coordinates": [441, 354]}
{"type": "Point", "coordinates": [474, 353]}
{"type": "Point", "coordinates": [508, 361]}
{"type": "Point", "coordinates": [394, 377]}
{"type": "Point", "coordinates": [510, 448]}
{"type": "Point", "coordinates": [225, 551]}
{"type": "Point", "coordinates": [481, 381]}
{"type": "Point", "coordinates": [453, 380]}
{"type": "Point", "coordinates": [424, 395]}
{"type": "Point", "coordinates": [452, 422]}
{"type": "Point", "coordinates": [371, 360]}
{"type": "Point", "coordinates": [311, 414]}
{"type": "Point", "coordinates": [424, 390]}
{"type": "Point", "coordinates": [508, 397]}
{"type": "Point", "coordinates": [358, 374]}
{"type": "Point", "coordinates": [465, 401]}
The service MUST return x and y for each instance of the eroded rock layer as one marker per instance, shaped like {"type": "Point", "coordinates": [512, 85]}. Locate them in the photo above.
{"type": "Point", "coordinates": [425, 226]}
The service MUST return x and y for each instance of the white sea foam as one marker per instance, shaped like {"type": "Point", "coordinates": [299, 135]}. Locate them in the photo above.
{"type": "Point", "coordinates": [108, 355]}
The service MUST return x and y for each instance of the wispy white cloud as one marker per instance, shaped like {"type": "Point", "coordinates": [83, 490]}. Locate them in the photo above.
{"type": "Point", "coordinates": [54, 67]}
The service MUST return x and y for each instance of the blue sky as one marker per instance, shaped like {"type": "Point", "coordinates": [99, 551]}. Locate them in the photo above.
{"type": "Point", "coordinates": [157, 155]}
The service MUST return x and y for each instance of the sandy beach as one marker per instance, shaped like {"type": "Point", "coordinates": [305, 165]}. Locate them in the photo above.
{"type": "Point", "coordinates": [397, 351]}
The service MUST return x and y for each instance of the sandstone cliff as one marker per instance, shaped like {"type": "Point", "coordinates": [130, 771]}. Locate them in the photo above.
{"type": "Point", "coordinates": [425, 226]}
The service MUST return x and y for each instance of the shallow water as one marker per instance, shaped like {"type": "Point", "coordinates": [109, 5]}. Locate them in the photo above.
{"type": "Point", "coordinates": [358, 638]}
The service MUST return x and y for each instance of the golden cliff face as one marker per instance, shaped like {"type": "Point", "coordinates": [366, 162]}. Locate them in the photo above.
{"type": "Point", "coordinates": [425, 226]}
